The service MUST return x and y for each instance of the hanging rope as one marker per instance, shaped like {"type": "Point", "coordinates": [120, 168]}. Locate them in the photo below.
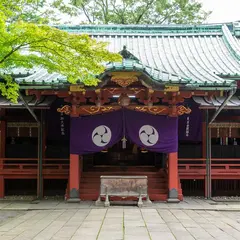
{"type": "Point", "coordinates": [124, 140]}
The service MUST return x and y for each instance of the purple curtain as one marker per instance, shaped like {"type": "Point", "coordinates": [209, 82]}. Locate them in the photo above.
{"type": "Point", "coordinates": [94, 133]}
{"type": "Point", "coordinates": [155, 133]}
{"type": "Point", "coordinates": [190, 125]}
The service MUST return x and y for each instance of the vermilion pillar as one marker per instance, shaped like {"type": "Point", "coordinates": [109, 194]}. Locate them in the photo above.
{"type": "Point", "coordinates": [74, 178]}
{"type": "Point", "coordinates": [173, 177]}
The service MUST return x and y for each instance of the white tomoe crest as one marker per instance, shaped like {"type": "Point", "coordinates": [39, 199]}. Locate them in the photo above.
{"type": "Point", "coordinates": [148, 135]}
{"type": "Point", "coordinates": [101, 135]}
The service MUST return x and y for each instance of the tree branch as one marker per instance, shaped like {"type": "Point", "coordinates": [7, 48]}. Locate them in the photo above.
{"type": "Point", "coordinates": [119, 13]}
{"type": "Point", "coordinates": [86, 13]}
{"type": "Point", "coordinates": [10, 53]}
{"type": "Point", "coordinates": [104, 8]}
{"type": "Point", "coordinates": [144, 11]}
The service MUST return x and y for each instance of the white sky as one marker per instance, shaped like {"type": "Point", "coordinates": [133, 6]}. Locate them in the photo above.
{"type": "Point", "coordinates": [222, 10]}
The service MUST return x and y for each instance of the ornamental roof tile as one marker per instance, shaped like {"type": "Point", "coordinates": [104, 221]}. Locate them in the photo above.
{"type": "Point", "coordinates": [196, 55]}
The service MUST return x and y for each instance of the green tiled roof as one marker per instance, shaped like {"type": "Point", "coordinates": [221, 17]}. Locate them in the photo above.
{"type": "Point", "coordinates": [153, 73]}
{"type": "Point", "coordinates": [197, 56]}
{"type": "Point", "coordinates": [40, 77]}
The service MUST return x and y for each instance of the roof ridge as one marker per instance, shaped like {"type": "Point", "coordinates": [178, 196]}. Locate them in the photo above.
{"type": "Point", "coordinates": [149, 29]}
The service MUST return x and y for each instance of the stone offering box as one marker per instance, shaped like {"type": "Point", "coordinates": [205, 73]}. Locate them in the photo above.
{"type": "Point", "coordinates": [123, 186]}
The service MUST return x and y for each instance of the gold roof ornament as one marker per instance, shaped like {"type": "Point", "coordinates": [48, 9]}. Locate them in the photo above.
{"type": "Point", "coordinates": [124, 79]}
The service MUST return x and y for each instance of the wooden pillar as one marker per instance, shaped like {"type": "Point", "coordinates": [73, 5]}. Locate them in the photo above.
{"type": "Point", "coordinates": [44, 135]}
{"type": "Point", "coordinates": [75, 169]}
{"type": "Point", "coordinates": [173, 179]}
{"type": "Point", "coordinates": [44, 141]}
{"type": "Point", "coordinates": [2, 190]}
{"type": "Point", "coordinates": [208, 178]}
{"type": "Point", "coordinates": [2, 150]}
{"type": "Point", "coordinates": [74, 177]}
{"type": "Point", "coordinates": [204, 144]}
{"type": "Point", "coordinates": [205, 186]}
{"type": "Point", "coordinates": [205, 140]}
{"type": "Point", "coordinates": [40, 158]}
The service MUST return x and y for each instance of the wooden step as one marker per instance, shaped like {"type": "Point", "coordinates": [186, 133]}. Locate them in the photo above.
{"type": "Point", "coordinates": [98, 174]}
{"type": "Point", "coordinates": [97, 180]}
{"type": "Point", "coordinates": [123, 168]}
{"type": "Point", "coordinates": [157, 181]}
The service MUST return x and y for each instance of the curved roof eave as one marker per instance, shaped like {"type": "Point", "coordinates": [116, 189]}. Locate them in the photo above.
{"type": "Point", "coordinates": [199, 56]}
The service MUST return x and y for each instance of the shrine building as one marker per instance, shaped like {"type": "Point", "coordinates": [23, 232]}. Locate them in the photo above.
{"type": "Point", "coordinates": [169, 111]}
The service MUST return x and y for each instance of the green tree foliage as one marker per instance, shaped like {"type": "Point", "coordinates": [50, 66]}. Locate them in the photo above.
{"type": "Point", "coordinates": [26, 42]}
{"type": "Point", "coordinates": [142, 11]}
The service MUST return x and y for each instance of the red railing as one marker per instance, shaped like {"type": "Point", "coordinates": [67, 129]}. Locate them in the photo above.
{"type": "Point", "coordinates": [197, 166]}
{"type": "Point", "coordinates": [57, 166]}
{"type": "Point", "coordinates": [30, 166]}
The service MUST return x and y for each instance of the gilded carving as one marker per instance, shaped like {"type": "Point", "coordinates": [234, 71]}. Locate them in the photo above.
{"type": "Point", "coordinates": [77, 88]}
{"type": "Point", "coordinates": [96, 109]}
{"type": "Point", "coordinates": [151, 91]}
{"type": "Point", "coordinates": [136, 91]}
{"type": "Point", "coordinates": [87, 110]}
{"type": "Point", "coordinates": [183, 110]}
{"type": "Point", "coordinates": [92, 110]}
{"type": "Point", "coordinates": [156, 110]}
{"type": "Point", "coordinates": [171, 88]}
{"type": "Point", "coordinates": [98, 91]}
{"type": "Point", "coordinates": [111, 90]}
{"type": "Point", "coordinates": [66, 109]}
{"type": "Point", "coordinates": [124, 79]}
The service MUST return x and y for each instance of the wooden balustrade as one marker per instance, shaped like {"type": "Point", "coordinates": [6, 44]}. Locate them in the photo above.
{"type": "Point", "coordinates": [29, 166]}
{"type": "Point", "coordinates": [59, 167]}
{"type": "Point", "coordinates": [220, 168]}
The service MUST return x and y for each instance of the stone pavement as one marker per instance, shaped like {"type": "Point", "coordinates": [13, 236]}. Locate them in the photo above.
{"type": "Point", "coordinates": [191, 219]}
{"type": "Point", "coordinates": [188, 203]}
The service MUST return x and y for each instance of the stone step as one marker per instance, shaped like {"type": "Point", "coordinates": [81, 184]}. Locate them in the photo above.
{"type": "Point", "coordinates": [152, 196]}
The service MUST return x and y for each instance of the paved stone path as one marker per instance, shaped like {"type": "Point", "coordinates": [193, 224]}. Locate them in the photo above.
{"type": "Point", "coordinates": [8, 215]}
{"type": "Point", "coordinates": [115, 223]}
{"type": "Point", "coordinates": [188, 203]}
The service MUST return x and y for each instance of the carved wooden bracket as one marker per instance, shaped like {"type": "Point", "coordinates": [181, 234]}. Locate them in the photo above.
{"type": "Point", "coordinates": [183, 110]}
{"type": "Point", "coordinates": [155, 110]}
{"type": "Point", "coordinates": [86, 110]}
{"type": "Point", "coordinates": [66, 109]}
{"type": "Point", "coordinates": [158, 110]}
